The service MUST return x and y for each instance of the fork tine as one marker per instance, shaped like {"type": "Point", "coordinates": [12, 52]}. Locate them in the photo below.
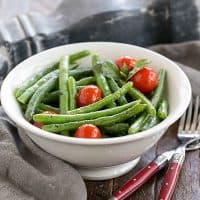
{"type": "Point", "coordinates": [181, 123]}
{"type": "Point", "coordinates": [198, 127]}
{"type": "Point", "coordinates": [189, 116]}
{"type": "Point", "coordinates": [195, 116]}
{"type": "Point", "coordinates": [189, 125]}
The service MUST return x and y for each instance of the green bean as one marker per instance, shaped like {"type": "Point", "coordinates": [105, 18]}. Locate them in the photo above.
{"type": "Point", "coordinates": [103, 102]}
{"type": "Point", "coordinates": [100, 79]}
{"type": "Point", "coordinates": [102, 83]}
{"type": "Point", "coordinates": [31, 81]}
{"type": "Point", "coordinates": [76, 56]}
{"type": "Point", "coordinates": [158, 93]}
{"type": "Point", "coordinates": [102, 121]}
{"type": "Point", "coordinates": [119, 129]}
{"type": "Point", "coordinates": [132, 120]}
{"type": "Point", "coordinates": [63, 77]}
{"type": "Point", "coordinates": [37, 110]}
{"type": "Point", "coordinates": [81, 72]}
{"type": "Point", "coordinates": [73, 66]}
{"type": "Point", "coordinates": [110, 70]}
{"type": "Point", "coordinates": [71, 87]}
{"type": "Point", "coordinates": [23, 107]}
{"type": "Point", "coordinates": [86, 81]}
{"type": "Point", "coordinates": [58, 119]}
{"type": "Point", "coordinates": [52, 96]}
{"type": "Point", "coordinates": [46, 107]}
{"type": "Point", "coordinates": [123, 75]}
{"type": "Point", "coordinates": [95, 60]}
{"type": "Point", "coordinates": [65, 133]}
{"type": "Point", "coordinates": [24, 98]}
{"type": "Point", "coordinates": [121, 82]}
{"type": "Point", "coordinates": [136, 94]}
{"type": "Point", "coordinates": [150, 122]}
{"type": "Point", "coordinates": [137, 124]}
{"type": "Point", "coordinates": [162, 109]}
{"type": "Point", "coordinates": [114, 87]}
{"type": "Point", "coordinates": [80, 87]}
{"type": "Point", "coordinates": [38, 96]}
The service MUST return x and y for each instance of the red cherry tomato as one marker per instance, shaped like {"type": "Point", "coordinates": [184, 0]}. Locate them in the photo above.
{"type": "Point", "coordinates": [87, 131]}
{"type": "Point", "coordinates": [88, 95]}
{"type": "Point", "coordinates": [145, 80]}
{"type": "Point", "coordinates": [128, 61]}
{"type": "Point", "coordinates": [38, 124]}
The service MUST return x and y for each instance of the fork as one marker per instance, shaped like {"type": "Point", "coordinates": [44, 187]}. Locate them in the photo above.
{"type": "Point", "coordinates": [189, 129]}
{"type": "Point", "coordinates": [188, 133]}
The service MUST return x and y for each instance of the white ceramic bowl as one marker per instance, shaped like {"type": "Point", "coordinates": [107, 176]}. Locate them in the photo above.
{"type": "Point", "coordinates": [91, 156]}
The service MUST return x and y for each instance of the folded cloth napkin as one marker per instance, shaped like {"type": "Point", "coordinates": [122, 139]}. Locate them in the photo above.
{"type": "Point", "coordinates": [27, 172]}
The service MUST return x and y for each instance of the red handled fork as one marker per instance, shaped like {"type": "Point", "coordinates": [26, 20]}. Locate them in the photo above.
{"type": "Point", "coordinates": [189, 135]}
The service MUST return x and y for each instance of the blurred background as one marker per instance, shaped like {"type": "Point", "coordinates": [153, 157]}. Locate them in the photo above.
{"type": "Point", "coordinates": [28, 27]}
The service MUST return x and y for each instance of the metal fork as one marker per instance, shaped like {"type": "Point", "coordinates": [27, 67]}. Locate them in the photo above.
{"type": "Point", "coordinates": [189, 136]}
{"type": "Point", "coordinates": [188, 130]}
{"type": "Point", "coordinates": [189, 127]}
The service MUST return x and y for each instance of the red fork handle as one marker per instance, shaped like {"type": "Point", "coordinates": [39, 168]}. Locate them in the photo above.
{"type": "Point", "coordinates": [170, 180]}
{"type": "Point", "coordinates": [136, 181]}
{"type": "Point", "coordinates": [171, 177]}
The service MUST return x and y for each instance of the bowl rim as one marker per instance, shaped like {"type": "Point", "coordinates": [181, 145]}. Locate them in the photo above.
{"type": "Point", "coordinates": [80, 141]}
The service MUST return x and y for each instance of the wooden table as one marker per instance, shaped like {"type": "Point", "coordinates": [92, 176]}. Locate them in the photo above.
{"type": "Point", "coordinates": [188, 187]}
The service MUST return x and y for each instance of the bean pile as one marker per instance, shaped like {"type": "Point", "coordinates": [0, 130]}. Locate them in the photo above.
{"type": "Point", "coordinates": [105, 100]}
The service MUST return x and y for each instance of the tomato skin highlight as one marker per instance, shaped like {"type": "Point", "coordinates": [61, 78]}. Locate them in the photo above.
{"type": "Point", "coordinates": [38, 124]}
{"type": "Point", "coordinates": [88, 131]}
{"type": "Point", "coordinates": [88, 95]}
{"type": "Point", "coordinates": [127, 61]}
{"type": "Point", "coordinates": [145, 80]}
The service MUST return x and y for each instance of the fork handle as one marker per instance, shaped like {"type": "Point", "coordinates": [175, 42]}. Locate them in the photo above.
{"type": "Point", "coordinates": [136, 181]}
{"type": "Point", "coordinates": [171, 177]}
{"type": "Point", "coordinates": [139, 178]}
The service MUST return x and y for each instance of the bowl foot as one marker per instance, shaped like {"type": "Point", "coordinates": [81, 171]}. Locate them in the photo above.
{"type": "Point", "coordinates": [104, 173]}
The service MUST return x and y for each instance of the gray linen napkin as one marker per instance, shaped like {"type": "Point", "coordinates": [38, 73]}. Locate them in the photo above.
{"type": "Point", "coordinates": [27, 172]}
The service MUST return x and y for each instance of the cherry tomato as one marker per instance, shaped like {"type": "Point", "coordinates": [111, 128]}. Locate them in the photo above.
{"type": "Point", "coordinates": [87, 131]}
{"type": "Point", "coordinates": [145, 80]}
{"type": "Point", "coordinates": [88, 95]}
{"type": "Point", "coordinates": [38, 124]}
{"type": "Point", "coordinates": [127, 61]}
